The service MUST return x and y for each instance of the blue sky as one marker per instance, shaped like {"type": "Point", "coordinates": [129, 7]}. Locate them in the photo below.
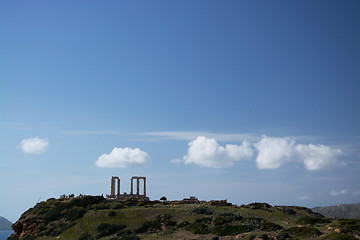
{"type": "Point", "coordinates": [240, 100]}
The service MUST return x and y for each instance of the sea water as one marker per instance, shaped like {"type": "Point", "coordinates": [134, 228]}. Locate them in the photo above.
{"type": "Point", "coordinates": [4, 234]}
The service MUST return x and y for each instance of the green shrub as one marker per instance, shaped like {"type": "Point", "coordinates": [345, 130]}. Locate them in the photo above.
{"type": "Point", "coordinates": [308, 210]}
{"type": "Point", "coordinates": [85, 236]}
{"type": "Point", "coordinates": [283, 236]}
{"type": "Point", "coordinates": [85, 201]}
{"type": "Point", "coordinates": [253, 222]}
{"type": "Point", "coordinates": [99, 206]}
{"type": "Point", "coordinates": [160, 220]}
{"type": "Point", "coordinates": [198, 228]}
{"type": "Point", "coordinates": [252, 237]}
{"type": "Point", "coordinates": [131, 202]}
{"type": "Point", "coordinates": [116, 205]}
{"type": "Point", "coordinates": [227, 229]}
{"type": "Point", "coordinates": [41, 211]}
{"type": "Point", "coordinates": [126, 237]}
{"type": "Point", "coordinates": [55, 229]}
{"type": "Point", "coordinates": [170, 223]}
{"type": "Point", "coordinates": [163, 218]}
{"type": "Point", "coordinates": [265, 237]}
{"type": "Point", "coordinates": [312, 220]}
{"type": "Point", "coordinates": [55, 232]}
{"type": "Point", "coordinates": [148, 226]}
{"type": "Point", "coordinates": [220, 220]}
{"type": "Point", "coordinates": [75, 213]}
{"type": "Point", "coordinates": [41, 227]}
{"type": "Point", "coordinates": [30, 220]}
{"type": "Point", "coordinates": [226, 214]}
{"type": "Point", "coordinates": [111, 213]}
{"type": "Point", "coordinates": [140, 204]}
{"type": "Point", "coordinates": [288, 210]}
{"type": "Point", "coordinates": [231, 216]}
{"type": "Point", "coordinates": [339, 236]}
{"type": "Point", "coordinates": [260, 223]}
{"type": "Point", "coordinates": [269, 226]}
{"type": "Point", "coordinates": [183, 224]}
{"type": "Point", "coordinates": [205, 220]}
{"type": "Point", "coordinates": [46, 232]}
{"type": "Point", "coordinates": [52, 214]}
{"type": "Point", "coordinates": [348, 225]}
{"type": "Point", "coordinates": [238, 217]}
{"type": "Point", "coordinates": [256, 205]}
{"type": "Point", "coordinates": [202, 210]}
{"type": "Point", "coordinates": [28, 237]}
{"type": "Point", "coordinates": [302, 231]}
{"type": "Point", "coordinates": [51, 201]}
{"type": "Point", "coordinates": [105, 229]}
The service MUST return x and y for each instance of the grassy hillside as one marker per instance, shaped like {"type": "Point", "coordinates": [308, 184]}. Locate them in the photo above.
{"type": "Point", "coordinates": [95, 218]}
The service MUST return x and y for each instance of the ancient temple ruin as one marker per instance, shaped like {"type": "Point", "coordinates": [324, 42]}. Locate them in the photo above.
{"type": "Point", "coordinates": [113, 183]}
{"type": "Point", "coordinates": [138, 186]}
{"type": "Point", "coordinates": [117, 195]}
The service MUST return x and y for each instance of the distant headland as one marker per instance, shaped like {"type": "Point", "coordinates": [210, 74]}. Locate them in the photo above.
{"type": "Point", "coordinates": [5, 224]}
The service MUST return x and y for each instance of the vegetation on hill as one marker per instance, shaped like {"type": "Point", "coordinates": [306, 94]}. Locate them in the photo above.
{"type": "Point", "coordinates": [351, 211]}
{"type": "Point", "coordinates": [93, 217]}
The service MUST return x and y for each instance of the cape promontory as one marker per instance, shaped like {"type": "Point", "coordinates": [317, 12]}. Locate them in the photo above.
{"type": "Point", "coordinates": [94, 217]}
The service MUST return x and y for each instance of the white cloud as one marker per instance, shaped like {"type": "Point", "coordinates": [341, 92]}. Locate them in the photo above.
{"type": "Point", "coordinates": [34, 145]}
{"type": "Point", "coordinates": [317, 156]}
{"type": "Point", "coordinates": [274, 152]}
{"type": "Point", "coordinates": [304, 198]}
{"type": "Point", "coordinates": [176, 160]}
{"type": "Point", "coordinates": [207, 152]}
{"type": "Point", "coordinates": [338, 193]}
{"type": "Point", "coordinates": [122, 158]}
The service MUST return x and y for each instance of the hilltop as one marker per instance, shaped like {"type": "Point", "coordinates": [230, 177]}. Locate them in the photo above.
{"type": "Point", "coordinates": [351, 211]}
{"type": "Point", "coordinates": [5, 224]}
{"type": "Point", "coordinates": [93, 217]}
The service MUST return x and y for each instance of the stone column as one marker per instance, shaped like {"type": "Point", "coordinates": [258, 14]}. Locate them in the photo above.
{"type": "Point", "coordinates": [131, 186]}
{"type": "Point", "coordinates": [118, 187]}
{"type": "Point", "coordinates": [144, 186]}
{"type": "Point", "coordinates": [112, 188]}
{"type": "Point", "coordinates": [137, 186]}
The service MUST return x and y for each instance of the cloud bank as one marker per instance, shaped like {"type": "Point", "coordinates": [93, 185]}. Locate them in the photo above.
{"type": "Point", "coordinates": [338, 193]}
{"type": "Point", "coordinates": [122, 158]}
{"type": "Point", "coordinates": [34, 145]}
{"type": "Point", "coordinates": [272, 153]}
{"type": "Point", "coordinates": [208, 153]}
{"type": "Point", "coordinates": [304, 198]}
